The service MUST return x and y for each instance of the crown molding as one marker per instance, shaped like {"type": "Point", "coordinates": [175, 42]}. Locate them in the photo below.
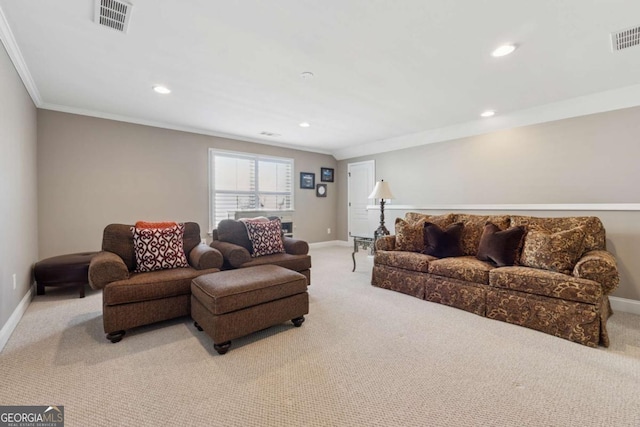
{"type": "Point", "coordinates": [615, 99]}
{"type": "Point", "coordinates": [600, 102]}
{"type": "Point", "coordinates": [9, 42]}
{"type": "Point", "coordinates": [171, 126]}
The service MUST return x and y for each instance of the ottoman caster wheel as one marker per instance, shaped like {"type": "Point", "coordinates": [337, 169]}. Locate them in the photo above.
{"type": "Point", "coordinates": [116, 336]}
{"type": "Point", "coordinates": [222, 348]}
{"type": "Point", "coordinates": [297, 322]}
{"type": "Point", "coordinates": [198, 327]}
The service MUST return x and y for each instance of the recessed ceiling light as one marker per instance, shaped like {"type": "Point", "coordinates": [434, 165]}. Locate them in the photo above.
{"type": "Point", "coordinates": [503, 50]}
{"type": "Point", "coordinates": [488, 113]}
{"type": "Point", "coordinates": [304, 125]}
{"type": "Point", "coordinates": [307, 75]}
{"type": "Point", "coordinates": [162, 89]}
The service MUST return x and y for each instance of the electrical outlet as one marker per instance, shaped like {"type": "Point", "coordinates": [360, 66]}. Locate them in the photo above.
{"type": "Point", "coordinates": [328, 231]}
{"type": "Point", "coordinates": [14, 281]}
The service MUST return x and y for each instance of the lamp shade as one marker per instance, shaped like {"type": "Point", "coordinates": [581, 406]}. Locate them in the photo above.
{"type": "Point", "coordinates": [381, 191]}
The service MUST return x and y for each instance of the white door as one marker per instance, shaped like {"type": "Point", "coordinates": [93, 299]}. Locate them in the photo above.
{"type": "Point", "coordinates": [361, 180]}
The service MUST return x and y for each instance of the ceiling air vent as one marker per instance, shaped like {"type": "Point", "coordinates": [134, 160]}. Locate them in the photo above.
{"type": "Point", "coordinates": [625, 38]}
{"type": "Point", "coordinates": [113, 14]}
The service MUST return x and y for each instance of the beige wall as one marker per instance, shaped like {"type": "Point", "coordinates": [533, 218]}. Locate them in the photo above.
{"type": "Point", "coordinates": [93, 172]}
{"type": "Point", "coordinates": [589, 159]}
{"type": "Point", "coordinates": [18, 193]}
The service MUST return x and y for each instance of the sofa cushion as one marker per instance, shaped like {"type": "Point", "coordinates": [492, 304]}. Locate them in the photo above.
{"type": "Point", "coordinates": [501, 248]}
{"type": "Point", "coordinates": [442, 243]}
{"type": "Point", "coordinates": [232, 231]}
{"type": "Point", "coordinates": [594, 230]}
{"type": "Point", "coordinates": [557, 252]}
{"type": "Point", "coordinates": [289, 261]}
{"type": "Point", "coordinates": [152, 285]}
{"type": "Point", "coordinates": [474, 227]}
{"type": "Point", "coordinates": [405, 260]}
{"type": "Point", "coordinates": [409, 235]}
{"type": "Point", "coordinates": [465, 268]}
{"type": "Point", "coordinates": [442, 221]}
{"type": "Point", "coordinates": [159, 248]}
{"type": "Point", "coordinates": [546, 283]}
{"type": "Point", "coordinates": [410, 231]}
{"type": "Point", "coordinates": [266, 237]}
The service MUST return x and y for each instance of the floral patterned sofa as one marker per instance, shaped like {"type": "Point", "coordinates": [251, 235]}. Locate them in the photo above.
{"type": "Point", "coordinates": [558, 284]}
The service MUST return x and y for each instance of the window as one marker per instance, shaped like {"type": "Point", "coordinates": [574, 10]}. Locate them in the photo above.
{"type": "Point", "coordinates": [248, 182]}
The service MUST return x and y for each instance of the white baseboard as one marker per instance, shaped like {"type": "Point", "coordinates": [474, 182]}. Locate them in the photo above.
{"type": "Point", "coordinates": [330, 243]}
{"type": "Point", "coordinates": [7, 329]}
{"type": "Point", "coordinates": [626, 305]}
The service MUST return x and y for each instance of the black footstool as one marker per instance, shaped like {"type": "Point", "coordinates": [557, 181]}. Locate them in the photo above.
{"type": "Point", "coordinates": [63, 270]}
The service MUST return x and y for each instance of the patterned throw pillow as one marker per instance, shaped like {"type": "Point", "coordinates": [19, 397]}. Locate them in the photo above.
{"type": "Point", "coordinates": [409, 236]}
{"type": "Point", "coordinates": [266, 237]}
{"type": "Point", "coordinates": [159, 248]}
{"type": "Point", "coordinates": [557, 252]}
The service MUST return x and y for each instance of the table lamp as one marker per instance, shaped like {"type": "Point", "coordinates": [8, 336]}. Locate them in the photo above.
{"type": "Point", "coordinates": [382, 192]}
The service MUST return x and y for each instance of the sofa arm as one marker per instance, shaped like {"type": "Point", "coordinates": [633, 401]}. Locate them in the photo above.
{"type": "Point", "coordinates": [106, 267]}
{"type": "Point", "coordinates": [386, 243]}
{"type": "Point", "coordinates": [234, 255]}
{"type": "Point", "coordinates": [295, 246]}
{"type": "Point", "coordinates": [203, 257]}
{"type": "Point", "coordinates": [599, 266]}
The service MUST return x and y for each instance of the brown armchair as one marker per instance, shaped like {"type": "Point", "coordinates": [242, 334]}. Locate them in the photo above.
{"type": "Point", "coordinates": [231, 239]}
{"type": "Point", "coordinates": [131, 299]}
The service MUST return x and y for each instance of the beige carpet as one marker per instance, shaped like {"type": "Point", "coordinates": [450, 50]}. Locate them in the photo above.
{"type": "Point", "coordinates": [364, 357]}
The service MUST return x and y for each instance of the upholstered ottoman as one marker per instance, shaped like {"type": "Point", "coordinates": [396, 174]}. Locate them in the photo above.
{"type": "Point", "coordinates": [63, 270]}
{"type": "Point", "coordinates": [233, 303]}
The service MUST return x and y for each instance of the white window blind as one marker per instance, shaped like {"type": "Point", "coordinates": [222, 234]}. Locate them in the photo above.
{"type": "Point", "coordinates": [246, 182]}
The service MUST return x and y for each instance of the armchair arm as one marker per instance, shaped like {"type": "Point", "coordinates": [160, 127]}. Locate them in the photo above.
{"type": "Point", "coordinates": [295, 246]}
{"type": "Point", "coordinates": [234, 255]}
{"type": "Point", "coordinates": [599, 266]}
{"type": "Point", "coordinates": [203, 257]}
{"type": "Point", "coordinates": [106, 267]}
{"type": "Point", "coordinates": [386, 243]}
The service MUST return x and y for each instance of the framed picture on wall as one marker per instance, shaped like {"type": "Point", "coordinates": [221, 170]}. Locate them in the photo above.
{"type": "Point", "coordinates": [321, 190]}
{"type": "Point", "coordinates": [307, 180]}
{"type": "Point", "coordinates": [326, 174]}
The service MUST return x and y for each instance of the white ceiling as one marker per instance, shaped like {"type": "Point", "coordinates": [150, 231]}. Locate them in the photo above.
{"type": "Point", "coordinates": [388, 74]}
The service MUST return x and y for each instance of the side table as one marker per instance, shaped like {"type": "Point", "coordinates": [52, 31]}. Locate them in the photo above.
{"type": "Point", "coordinates": [366, 242]}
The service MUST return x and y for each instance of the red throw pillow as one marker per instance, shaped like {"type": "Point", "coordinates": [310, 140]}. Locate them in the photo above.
{"type": "Point", "coordinates": [266, 237]}
{"type": "Point", "coordinates": [163, 224]}
{"type": "Point", "coordinates": [159, 248]}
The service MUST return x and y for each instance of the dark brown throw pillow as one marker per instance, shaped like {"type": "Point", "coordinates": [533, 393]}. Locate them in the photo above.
{"type": "Point", "coordinates": [442, 243]}
{"type": "Point", "coordinates": [232, 231]}
{"type": "Point", "coordinates": [500, 247]}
